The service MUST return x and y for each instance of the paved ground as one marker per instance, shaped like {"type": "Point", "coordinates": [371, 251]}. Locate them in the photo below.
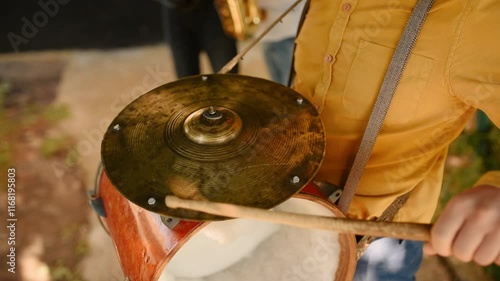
{"type": "Point", "coordinates": [96, 85]}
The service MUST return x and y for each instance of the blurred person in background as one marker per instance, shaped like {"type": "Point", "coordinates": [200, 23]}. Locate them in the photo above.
{"type": "Point", "coordinates": [191, 27]}
{"type": "Point", "coordinates": [279, 43]}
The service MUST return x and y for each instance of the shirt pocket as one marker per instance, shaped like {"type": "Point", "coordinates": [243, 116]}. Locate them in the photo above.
{"type": "Point", "coordinates": [365, 80]}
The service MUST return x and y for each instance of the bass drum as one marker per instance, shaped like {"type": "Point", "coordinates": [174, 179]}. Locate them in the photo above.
{"type": "Point", "coordinates": [153, 247]}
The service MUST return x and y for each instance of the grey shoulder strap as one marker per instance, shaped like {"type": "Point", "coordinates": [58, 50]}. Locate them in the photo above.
{"type": "Point", "coordinates": [391, 80]}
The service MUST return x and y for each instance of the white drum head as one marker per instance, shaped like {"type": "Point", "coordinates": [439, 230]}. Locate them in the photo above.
{"type": "Point", "coordinates": [247, 250]}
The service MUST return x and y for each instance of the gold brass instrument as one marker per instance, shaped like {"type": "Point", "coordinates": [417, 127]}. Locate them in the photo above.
{"type": "Point", "coordinates": [239, 17]}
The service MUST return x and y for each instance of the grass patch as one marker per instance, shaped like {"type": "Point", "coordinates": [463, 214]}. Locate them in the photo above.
{"type": "Point", "coordinates": [53, 146]}
{"type": "Point", "coordinates": [61, 272]}
{"type": "Point", "coordinates": [56, 113]}
{"type": "Point", "coordinates": [74, 231]}
{"type": "Point", "coordinates": [5, 127]}
{"type": "Point", "coordinates": [82, 249]}
{"type": "Point", "coordinates": [493, 271]}
{"type": "Point", "coordinates": [5, 153]}
{"type": "Point", "coordinates": [15, 121]}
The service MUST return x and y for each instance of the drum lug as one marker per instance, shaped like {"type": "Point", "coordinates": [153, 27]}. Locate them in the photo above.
{"type": "Point", "coordinates": [97, 204]}
{"type": "Point", "coordinates": [169, 222]}
{"type": "Point", "coordinates": [329, 189]}
{"type": "Point", "coordinates": [335, 196]}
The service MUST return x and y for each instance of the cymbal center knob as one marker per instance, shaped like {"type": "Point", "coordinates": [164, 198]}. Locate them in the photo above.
{"type": "Point", "coordinates": [212, 114]}
{"type": "Point", "coordinates": [212, 125]}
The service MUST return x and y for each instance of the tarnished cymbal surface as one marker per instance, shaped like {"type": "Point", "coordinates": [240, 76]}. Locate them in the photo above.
{"type": "Point", "coordinates": [221, 137]}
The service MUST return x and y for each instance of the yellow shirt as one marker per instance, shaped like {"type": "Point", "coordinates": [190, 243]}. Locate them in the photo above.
{"type": "Point", "coordinates": [343, 52]}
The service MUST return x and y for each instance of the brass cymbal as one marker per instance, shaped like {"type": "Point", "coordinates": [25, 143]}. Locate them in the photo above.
{"type": "Point", "coordinates": [221, 137]}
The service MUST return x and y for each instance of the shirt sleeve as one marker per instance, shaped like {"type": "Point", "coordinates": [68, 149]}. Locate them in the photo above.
{"type": "Point", "coordinates": [490, 178]}
{"type": "Point", "coordinates": [474, 63]}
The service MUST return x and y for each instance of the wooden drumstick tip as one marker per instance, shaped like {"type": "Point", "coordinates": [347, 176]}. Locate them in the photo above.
{"type": "Point", "coordinates": [172, 201]}
{"type": "Point", "coordinates": [221, 209]}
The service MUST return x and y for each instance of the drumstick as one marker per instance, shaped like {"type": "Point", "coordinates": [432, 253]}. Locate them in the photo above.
{"type": "Point", "coordinates": [407, 231]}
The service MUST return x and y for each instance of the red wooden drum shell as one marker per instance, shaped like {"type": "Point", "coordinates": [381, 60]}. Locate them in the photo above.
{"type": "Point", "coordinates": [145, 245]}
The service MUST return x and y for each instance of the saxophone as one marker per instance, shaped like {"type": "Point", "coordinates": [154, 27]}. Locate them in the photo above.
{"type": "Point", "coordinates": [239, 17]}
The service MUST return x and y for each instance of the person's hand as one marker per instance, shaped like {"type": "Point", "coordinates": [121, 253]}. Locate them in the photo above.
{"type": "Point", "coordinates": [469, 227]}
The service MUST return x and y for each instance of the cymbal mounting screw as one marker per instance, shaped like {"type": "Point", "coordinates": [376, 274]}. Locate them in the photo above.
{"type": "Point", "coordinates": [211, 110]}
{"type": "Point", "coordinates": [300, 101]}
{"type": "Point", "coordinates": [116, 127]}
{"type": "Point", "coordinates": [151, 201]}
{"type": "Point", "coordinates": [211, 114]}
{"type": "Point", "coordinates": [295, 179]}
{"type": "Point", "coordinates": [204, 78]}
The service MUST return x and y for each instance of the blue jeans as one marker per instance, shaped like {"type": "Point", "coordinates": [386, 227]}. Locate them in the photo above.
{"type": "Point", "coordinates": [389, 259]}
{"type": "Point", "coordinates": [278, 56]}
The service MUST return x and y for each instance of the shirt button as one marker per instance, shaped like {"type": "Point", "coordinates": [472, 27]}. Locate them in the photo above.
{"type": "Point", "coordinates": [346, 7]}
{"type": "Point", "coordinates": [328, 58]}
